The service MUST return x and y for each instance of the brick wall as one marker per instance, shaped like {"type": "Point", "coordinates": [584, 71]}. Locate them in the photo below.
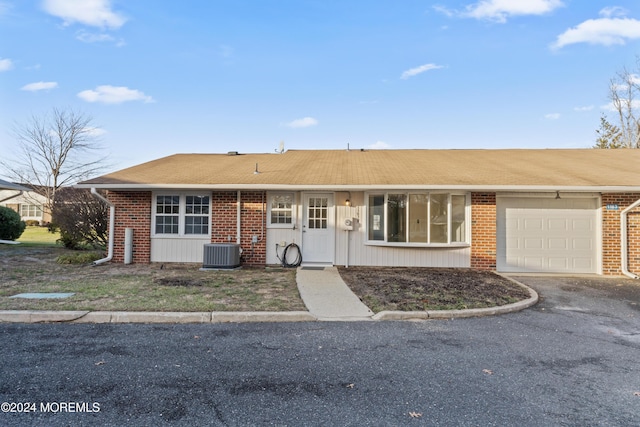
{"type": "Point", "coordinates": [611, 251]}
{"type": "Point", "coordinates": [252, 223]}
{"type": "Point", "coordinates": [133, 210]}
{"type": "Point", "coordinates": [483, 231]}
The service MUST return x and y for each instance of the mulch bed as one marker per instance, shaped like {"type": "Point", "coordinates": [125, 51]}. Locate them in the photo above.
{"type": "Point", "coordinates": [417, 288]}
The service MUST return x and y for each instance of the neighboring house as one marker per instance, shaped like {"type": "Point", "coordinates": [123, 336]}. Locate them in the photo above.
{"type": "Point", "coordinates": [24, 200]}
{"type": "Point", "coordinates": [556, 211]}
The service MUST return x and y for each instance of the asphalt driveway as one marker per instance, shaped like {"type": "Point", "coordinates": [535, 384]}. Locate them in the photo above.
{"type": "Point", "coordinates": [603, 303]}
{"type": "Point", "coordinates": [571, 360]}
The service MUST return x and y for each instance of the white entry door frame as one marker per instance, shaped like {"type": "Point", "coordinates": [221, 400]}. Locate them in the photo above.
{"type": "Point", "coordinates": [318, 229]}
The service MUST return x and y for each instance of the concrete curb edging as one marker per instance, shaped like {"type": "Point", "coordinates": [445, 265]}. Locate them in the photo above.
{"type": "Point", "coordinates": [35, 316]}
{"type": "Point", "coordinates": [472, 312]}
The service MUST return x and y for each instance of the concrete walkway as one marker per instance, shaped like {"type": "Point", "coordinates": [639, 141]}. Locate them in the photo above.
{"type": "Point", "coordinates": [327, 296]}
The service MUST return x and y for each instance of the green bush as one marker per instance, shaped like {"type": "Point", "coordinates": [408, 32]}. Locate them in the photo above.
{"type": "Point", "coordinates": [70, 241]}
{"type": "Point", "coordinates": [79, 258]}
{"type": "Point", "coordinates": [32, 223]}
{"type": "Point", "coordinates": [11, 227]}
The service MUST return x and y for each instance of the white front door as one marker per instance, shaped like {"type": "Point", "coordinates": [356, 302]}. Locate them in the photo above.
{"type": "Point", "coordinates": [318, 230]}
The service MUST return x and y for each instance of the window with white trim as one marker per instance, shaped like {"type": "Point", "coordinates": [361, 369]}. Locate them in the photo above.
{"type": "Point", "coordinates": [181, 215]}
{"type": "Point", "coordinates": [281, 209]}
{"type": "Point", "coordinates": [417, 218]}
{"type": "Point", "coordinates": [32, 211]}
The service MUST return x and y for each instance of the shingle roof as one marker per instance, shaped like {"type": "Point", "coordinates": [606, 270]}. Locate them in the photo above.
{"type": "Point", "coordinates": [6, 185]}
{"type": "Point", "coordinates": [473, 169]}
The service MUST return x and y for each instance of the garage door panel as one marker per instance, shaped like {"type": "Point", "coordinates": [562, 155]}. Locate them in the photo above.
{"type": "Point", "coordinates": [582, 244]}
{"type": "Point", "coordinates": [547, 235]}
{"type": "Point", "coordinates": [557, 224]}
{"type": "Point", "coordinates": [561, 244]}
{"type": "Point", "coordinates": [533, 224]}
{"type": "Point", "coordinates": [536, 243]}
{"type": "Point", "coordinates": [558, 264]}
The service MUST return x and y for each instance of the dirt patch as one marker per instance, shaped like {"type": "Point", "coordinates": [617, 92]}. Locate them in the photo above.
{"type": "Point", "coordinates": [414, 288]}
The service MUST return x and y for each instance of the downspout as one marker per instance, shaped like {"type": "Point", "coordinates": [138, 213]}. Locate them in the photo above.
{"type": "Point", "coordinates": [238, 211]}
{"type": "Point", "coordinates": [12, 197]}
{"type": "Point", "coordinates": [624, 239]}
{"type": "Point", "coordinates": [112, 221]}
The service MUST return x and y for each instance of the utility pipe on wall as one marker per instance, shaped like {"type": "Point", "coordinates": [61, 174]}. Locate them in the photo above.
{"type": "Point", "coordinates": [238, 212]}
{"type": "Point", "coordinates": [624, 239]}
{"type": "Point", "coordinates": [112, 220]}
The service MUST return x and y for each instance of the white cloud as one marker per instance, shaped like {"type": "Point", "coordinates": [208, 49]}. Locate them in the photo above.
{"type": "Point", "coordinates": [500, 10]}
{"type": "Point", "coordinates": [613, 11]}
{"type": "Point", "coordinates": [94, 13]}
{"type": "Point", "coordinates": [418, 70]}
{"type": "Point", "coordinates": [379, 145]}
{"type": "Point", "coordinates": [5, 7]}
{"type": "Point", "coordinates": [95, 132]}
{"type": "Point", "coordinates": [585, 108]}
{"type": "Point", "coordinates": [34, 87]}
{"type": "Point", "coordinates": [6, 64]}
{"type": "Point", "coordinates": [612, 29]}
{"type": "Point", "coordinates": [107, 94]}
{"type": "Point", "coordinates": [552, 116]}
{"type": "Point", "coordinates": [302, 123]}
{"type": "Point", "coordinates": [635, 105]}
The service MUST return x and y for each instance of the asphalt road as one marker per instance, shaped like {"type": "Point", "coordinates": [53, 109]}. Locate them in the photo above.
{"type": "Point", "coordinates": [574, 359]}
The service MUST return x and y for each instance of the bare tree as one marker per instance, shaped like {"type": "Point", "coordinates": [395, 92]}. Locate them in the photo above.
{"type": "Point", "coordinates": [55, 150]}
{"type": "Point", "coordinates": [624, 94]}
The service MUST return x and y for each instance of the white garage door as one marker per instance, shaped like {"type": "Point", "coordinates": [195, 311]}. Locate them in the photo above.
{"type": "Point", "coordinates": [547, 235]}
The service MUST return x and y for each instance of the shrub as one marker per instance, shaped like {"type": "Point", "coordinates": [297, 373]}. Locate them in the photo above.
{"type": "Point", "coordinates": [81, 218]}
{"type": "Point", "coordinates": [69, 241]}
{"type": "Point", "coordinates": [11, 227]}
{"type": "Point", "coordinates": [79, 258]}
{"type": "Point", "coordinates": [32, 223]}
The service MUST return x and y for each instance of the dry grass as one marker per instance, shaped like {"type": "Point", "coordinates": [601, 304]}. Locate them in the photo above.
{"type": "Point", "coordinates": [115, 287]}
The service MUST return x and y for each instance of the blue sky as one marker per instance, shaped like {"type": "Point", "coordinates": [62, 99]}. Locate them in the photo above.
{"type": "Point", "coordinates": [164, 77]}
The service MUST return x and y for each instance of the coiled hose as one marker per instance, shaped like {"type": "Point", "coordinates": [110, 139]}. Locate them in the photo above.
{"type": "Point", "coordinates": [298, 259]}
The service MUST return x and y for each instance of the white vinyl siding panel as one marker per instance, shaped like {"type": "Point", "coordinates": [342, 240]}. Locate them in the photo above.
{"type": "Point", "coordinates": [547, 235]}
{"type": "Point", "coordinates": [177, 249]}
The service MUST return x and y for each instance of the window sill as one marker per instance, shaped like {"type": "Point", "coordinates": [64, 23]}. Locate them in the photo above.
{"type": "Point", "coordinates": [456, 245]}
{"type": "Point", "coordinates": [182, 236]}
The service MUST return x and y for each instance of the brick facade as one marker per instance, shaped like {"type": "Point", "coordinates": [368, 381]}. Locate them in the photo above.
{"type": "Point", "coordinates": [133, 210]}
{"type": "Point", "coordinates": [611, 251]}
{"type": "Point", "coordinates": [483, 231]}
{"type": "Point", "coordinates": [252, 223]}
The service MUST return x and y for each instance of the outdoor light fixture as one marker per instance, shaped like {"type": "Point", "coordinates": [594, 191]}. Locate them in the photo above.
{"type": "Point", "coordinates": [557, 195]}
{"type": "Point", "coordinates": [347, 202]}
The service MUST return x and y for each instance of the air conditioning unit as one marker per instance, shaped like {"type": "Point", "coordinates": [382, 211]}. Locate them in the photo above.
{"type": "Point", "coordinates": [221, 255]}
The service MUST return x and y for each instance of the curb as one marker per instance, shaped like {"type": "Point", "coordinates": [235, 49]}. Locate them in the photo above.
{"type": "Point", "coordinates": [35, 316]}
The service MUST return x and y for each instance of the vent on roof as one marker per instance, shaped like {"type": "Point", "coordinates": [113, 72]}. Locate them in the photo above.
{"type": "Point", "coordinates": [221, 255]}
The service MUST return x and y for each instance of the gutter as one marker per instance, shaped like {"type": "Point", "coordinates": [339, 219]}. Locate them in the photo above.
{"type": "Point", "coordinates": [369, 187]}
{"type": "Point", "coordinates": [112, 219]}
{"type": "Point", "coordinates": [624, 240]}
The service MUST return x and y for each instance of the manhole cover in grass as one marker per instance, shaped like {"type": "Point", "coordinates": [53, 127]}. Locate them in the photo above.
{"type": "Point", "coordinates": [177, 281]}
{"type": "Point", "coordinates": [42, 295]}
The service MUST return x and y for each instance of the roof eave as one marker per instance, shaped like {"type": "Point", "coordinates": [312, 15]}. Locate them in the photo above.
{"type": "Point", "coordinates": [343, 187]}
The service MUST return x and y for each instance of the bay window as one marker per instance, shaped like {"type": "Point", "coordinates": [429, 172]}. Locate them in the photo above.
{"type": "Point", "coordinates": [417, 218]}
